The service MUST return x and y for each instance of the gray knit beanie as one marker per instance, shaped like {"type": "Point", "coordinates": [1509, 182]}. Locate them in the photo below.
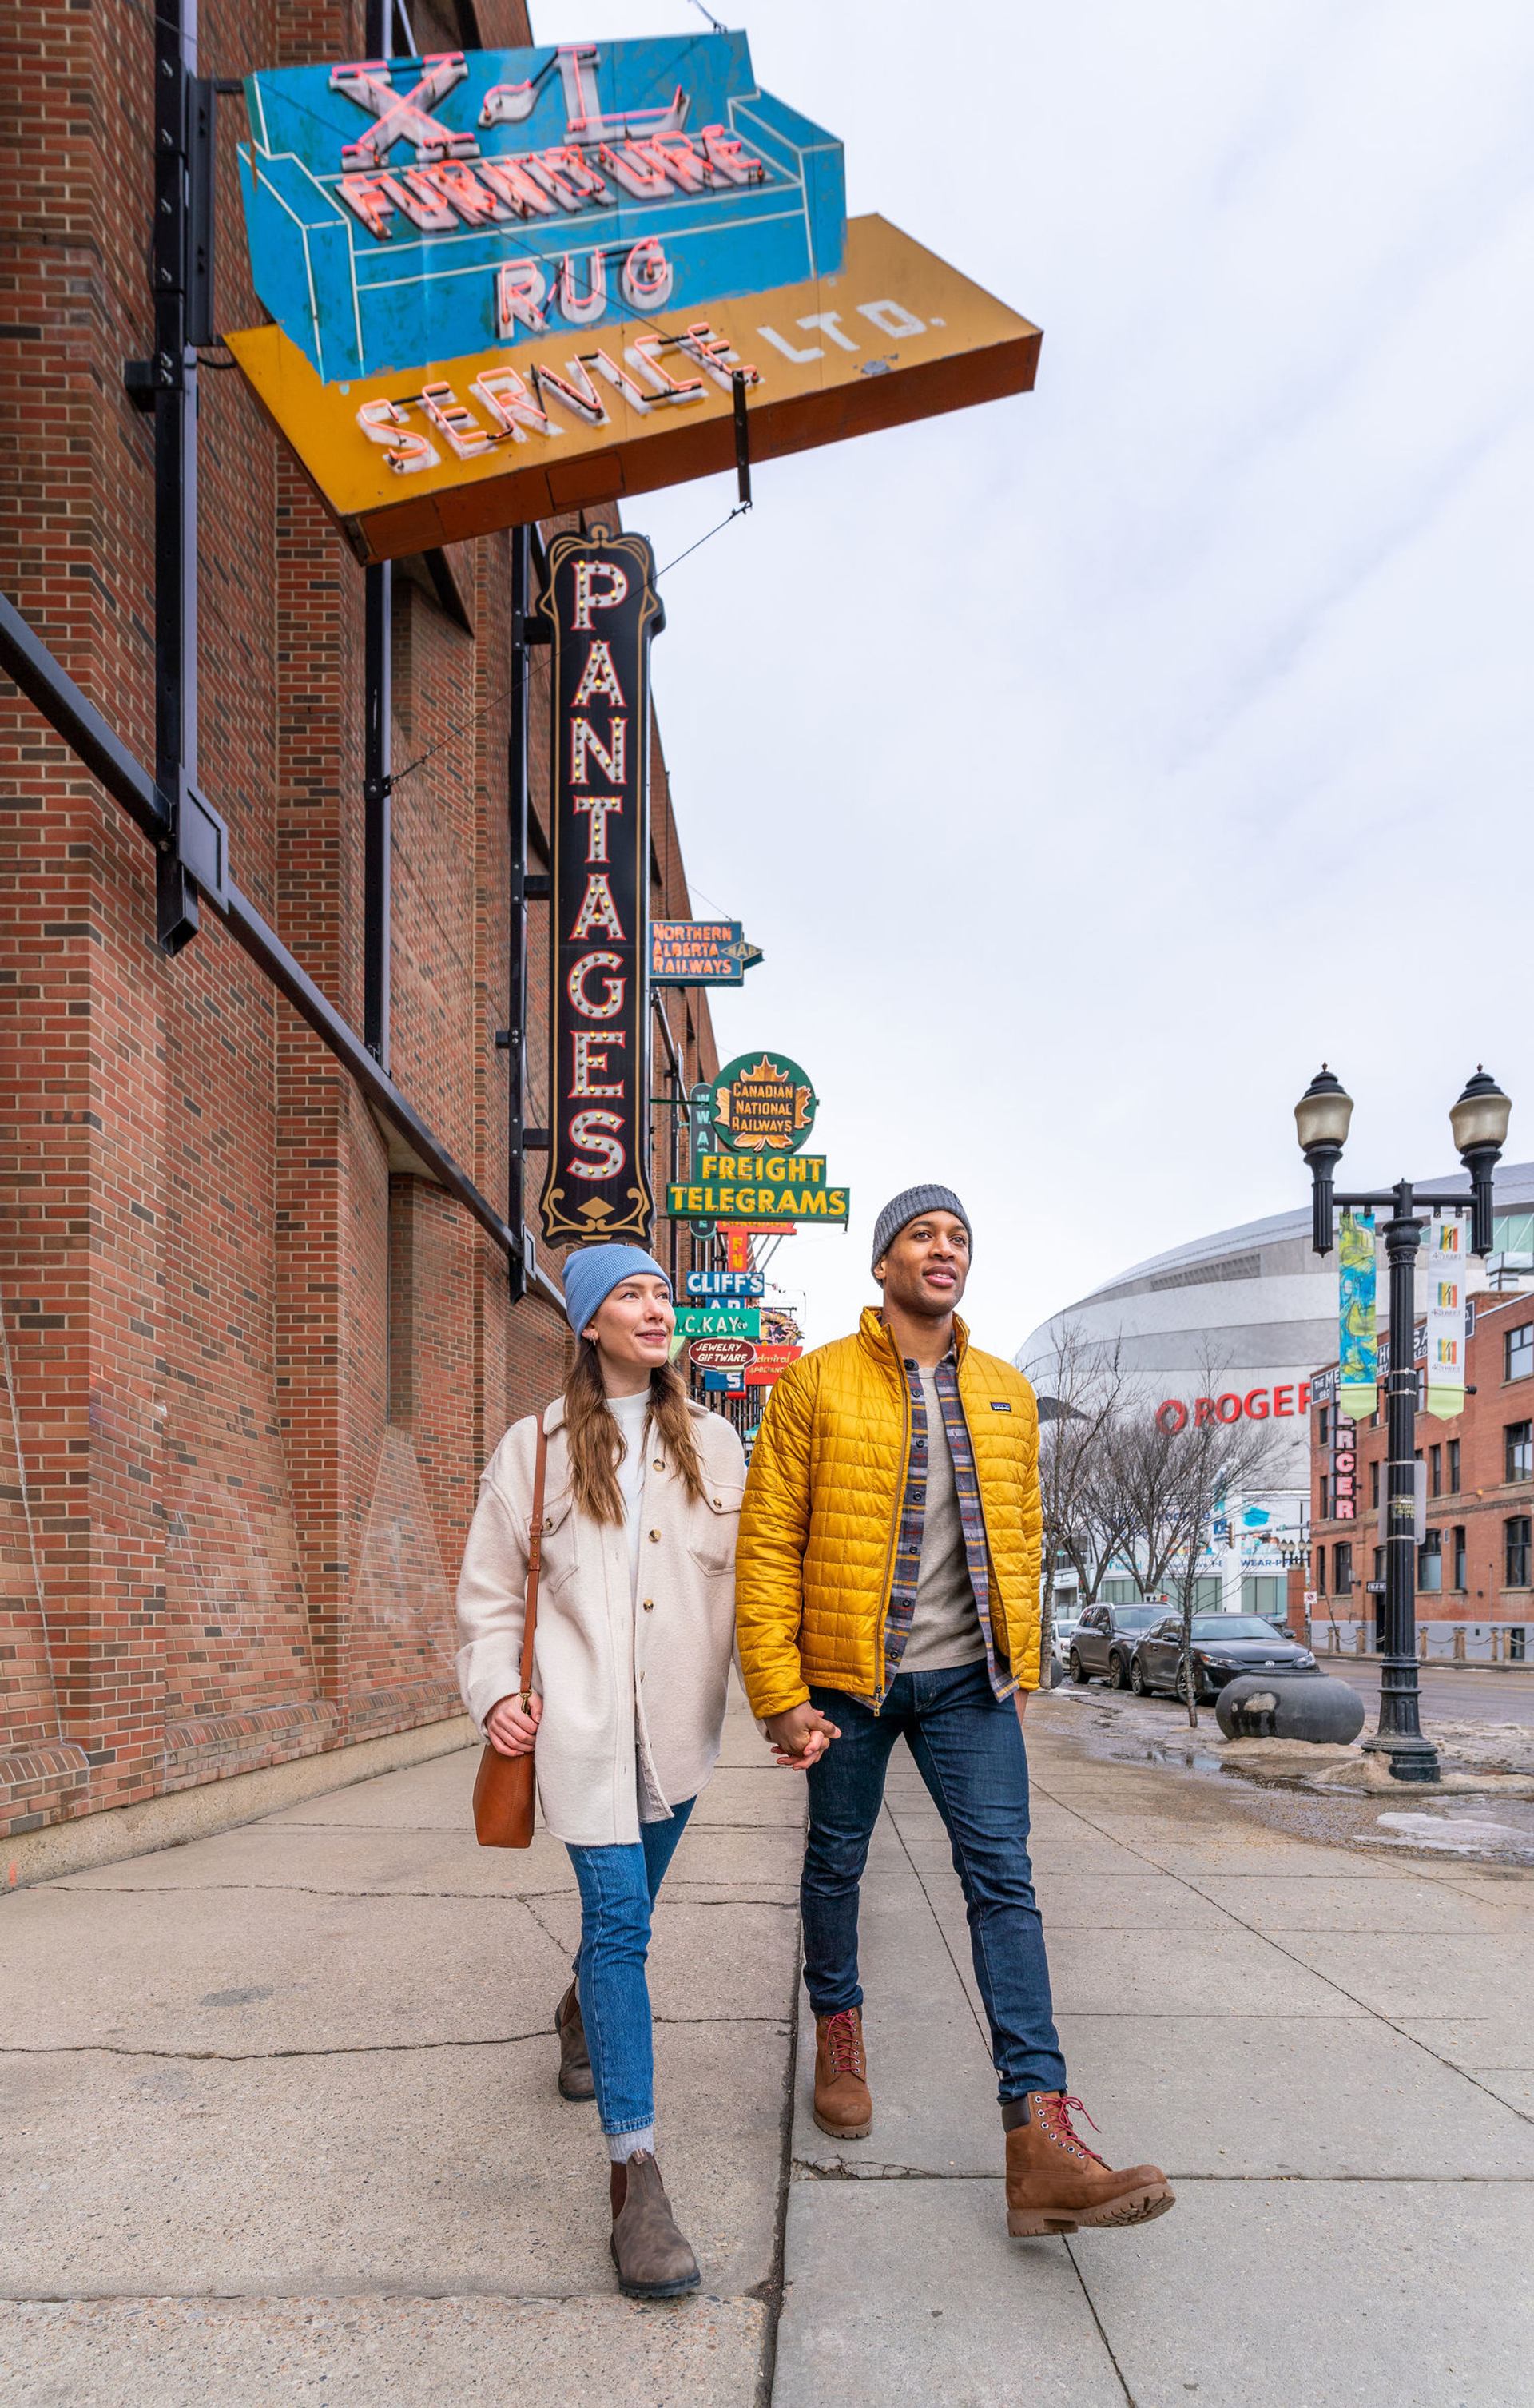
{"type": "Point", "coordinates": [906, 1207]}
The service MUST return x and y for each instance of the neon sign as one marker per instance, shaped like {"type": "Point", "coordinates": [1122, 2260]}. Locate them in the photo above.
{"type": "Point", "coordinates": [601, 602]}
{"type": "Point", "coordinates": [401, 211]}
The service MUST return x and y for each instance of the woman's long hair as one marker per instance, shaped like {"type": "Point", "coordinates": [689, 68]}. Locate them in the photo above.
{"type": "Point", "coordinates": [596, 1443]}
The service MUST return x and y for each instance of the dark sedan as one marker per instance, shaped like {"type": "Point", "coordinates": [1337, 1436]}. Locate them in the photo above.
{"type": "Point", "coordinates": [1224, 1645]}
{"type": "Point", "coordinates": [1104, 1641]}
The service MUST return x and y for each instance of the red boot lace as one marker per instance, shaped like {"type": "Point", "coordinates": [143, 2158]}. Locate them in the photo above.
{"type": "Point", "coordinates": [843, 2044]}
{"type": "Point", "coordinates": [1054, 2115]}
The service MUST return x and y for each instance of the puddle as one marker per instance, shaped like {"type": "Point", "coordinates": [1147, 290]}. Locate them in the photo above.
{"type": "Point", "coordinates": [1462, 1832]}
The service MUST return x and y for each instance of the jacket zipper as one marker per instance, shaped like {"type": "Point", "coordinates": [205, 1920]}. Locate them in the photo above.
{"type": "Point", "coordinates": [895, 1526]}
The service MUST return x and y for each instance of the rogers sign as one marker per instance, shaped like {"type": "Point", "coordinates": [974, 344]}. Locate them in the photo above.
{"type": "Point", "coordinates": [1258, 1405]}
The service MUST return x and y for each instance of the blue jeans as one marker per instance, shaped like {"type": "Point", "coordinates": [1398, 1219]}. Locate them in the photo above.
{"type": "Point", "coordinates": [969, 1748]}
{"type": "Point", "coordinates": [618, 1888]}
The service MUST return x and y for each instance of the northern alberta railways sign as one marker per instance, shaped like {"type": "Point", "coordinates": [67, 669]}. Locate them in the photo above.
{"type": "Point", "coordinates": [507, 283]}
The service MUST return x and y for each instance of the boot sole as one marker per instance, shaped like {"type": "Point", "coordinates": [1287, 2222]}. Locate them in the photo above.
{"type": "Point", "coordinates": [1136, 2207]}
{"type": "Point", "coordinates": [654, 2290]}
{"type": "Point", "coordinates": [841, 2132]}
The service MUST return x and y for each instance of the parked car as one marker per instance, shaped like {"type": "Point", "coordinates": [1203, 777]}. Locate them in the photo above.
{"type": "Point", "coordinates": [1104, 1641]}
{"type": "Point", "coordinates": [1224, 1645]}
{"type": "Point", "coordinates": [1063, 1630]}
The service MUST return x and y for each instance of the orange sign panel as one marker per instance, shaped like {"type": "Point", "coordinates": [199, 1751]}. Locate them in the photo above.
{"type": "Point", "coordinates": [420, 458]}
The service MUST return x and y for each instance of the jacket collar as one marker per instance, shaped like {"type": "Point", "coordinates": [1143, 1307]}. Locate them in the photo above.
{"type": "Point", "coordinates": [873, 1335]}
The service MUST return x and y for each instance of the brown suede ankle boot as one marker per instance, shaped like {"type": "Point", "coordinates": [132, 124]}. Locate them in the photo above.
{"type": "Point", "coordinates": [575, 2073]}
{"type": "Point", "coordinates": [1055, 2183]}
{"type": "Point", "coordinates": [843, 2106]}
{"type": "Point", "coordinates": [654, 2261]}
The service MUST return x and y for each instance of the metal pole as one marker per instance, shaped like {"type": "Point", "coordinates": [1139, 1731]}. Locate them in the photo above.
{"type": "Point", "coordinates": [175, 469]}
{"type": "Point", "coordinates": [516, 896]}
{"type": "Point", "coordinates": [377, 812]}
{"type": "Point", "coordinates": [1398, 1735]}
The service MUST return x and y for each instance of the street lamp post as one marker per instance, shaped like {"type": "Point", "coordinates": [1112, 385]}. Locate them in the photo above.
{"type": "Point", "coordinates": [1480, 1124]}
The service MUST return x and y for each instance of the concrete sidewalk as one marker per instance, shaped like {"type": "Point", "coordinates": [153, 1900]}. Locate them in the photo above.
{"type": "Point", "coordinates": [281, 2123]}
{"type": "Point", "coordinates": [1331, 2049]}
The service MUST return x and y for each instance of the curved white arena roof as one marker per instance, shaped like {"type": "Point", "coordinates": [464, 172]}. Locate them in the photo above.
{"type": "Point", "coordinates": [1250, 1309]}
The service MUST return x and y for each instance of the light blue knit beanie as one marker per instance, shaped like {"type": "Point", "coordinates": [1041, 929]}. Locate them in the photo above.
{"type": "Point", "coordinates": [591, 1276]}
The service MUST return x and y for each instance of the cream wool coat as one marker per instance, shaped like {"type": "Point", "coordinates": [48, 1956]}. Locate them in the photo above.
{"type": "Point", "coordinates": [617, 1670]}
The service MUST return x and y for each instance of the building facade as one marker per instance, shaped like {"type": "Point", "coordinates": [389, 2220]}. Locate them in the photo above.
{"type": "Point", "coordinates": [1475, 1560]}
{"type": "Point", "coordinates": [255, 1354]}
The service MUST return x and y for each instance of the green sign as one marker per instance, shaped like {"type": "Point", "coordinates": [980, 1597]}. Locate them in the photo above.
{"type": "Point", "coordinates": [719, 1321]}
{"type": "Point", "coordinates": [763, 1103]}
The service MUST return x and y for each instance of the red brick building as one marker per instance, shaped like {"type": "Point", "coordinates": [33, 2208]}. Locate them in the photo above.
{"type": "Point", "coordinates": [254, 1358]}
{"type": "Point", "coordinates": [1475, 1565]}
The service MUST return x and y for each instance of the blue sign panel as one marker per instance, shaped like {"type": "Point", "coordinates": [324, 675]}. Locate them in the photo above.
{"type": "Point", "coordinates": [409, 210]}
{"type": "Point", "coordinates": [725, 1384]}
{"type": "Point", "coordinates": [735, 1283]}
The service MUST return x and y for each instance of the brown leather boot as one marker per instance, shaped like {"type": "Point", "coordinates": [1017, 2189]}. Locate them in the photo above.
{"type": "Point", "coordinates": [1055, 2183]}
{"type": "Point", "coordinates": [843, 2106]}
{"type": "Point", "coordinates": [575, 2073]}
{"type": "Point", "coordinates": [654, 2261]}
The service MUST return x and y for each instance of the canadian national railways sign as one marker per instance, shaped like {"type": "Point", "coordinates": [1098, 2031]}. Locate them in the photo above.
{"type": "Point", "coordinates": [507, 285]}
{"type": "Point", "coordinates": [602, 604]}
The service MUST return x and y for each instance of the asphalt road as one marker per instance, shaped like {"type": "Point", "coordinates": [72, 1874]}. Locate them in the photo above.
{"type": "Point", "coordinates": [1452, 1697]}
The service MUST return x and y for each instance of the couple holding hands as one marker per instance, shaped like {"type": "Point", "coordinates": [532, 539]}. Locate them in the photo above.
{"type": "Point", "coordinates": [878, 1574]}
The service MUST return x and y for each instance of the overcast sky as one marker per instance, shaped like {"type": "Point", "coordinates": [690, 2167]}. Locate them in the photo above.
{"type": "Point", "coordinates": [1090, 764]}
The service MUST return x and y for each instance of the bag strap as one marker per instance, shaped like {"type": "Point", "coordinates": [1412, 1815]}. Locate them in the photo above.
{"type": "Point", "coordinates": [534, 1557]}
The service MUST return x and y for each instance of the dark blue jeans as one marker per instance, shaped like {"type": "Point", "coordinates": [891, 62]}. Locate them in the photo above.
{"type": "Point", "coordinates": [969, 1749]}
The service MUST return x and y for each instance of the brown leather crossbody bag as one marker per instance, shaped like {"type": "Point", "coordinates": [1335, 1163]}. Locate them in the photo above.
{"type": "Point", "coordinates": [505, 1788]}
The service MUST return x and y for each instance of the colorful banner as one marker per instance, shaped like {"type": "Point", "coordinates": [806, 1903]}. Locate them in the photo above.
{"type": "Point", "coordinates": [1446, 1331]}
{"type": "Point", "coordinates": [719, 1321]}
{"type": "Point", "coordinates": [1357, 1347]}
{"type": "Point", "coordinates": [700, 952]}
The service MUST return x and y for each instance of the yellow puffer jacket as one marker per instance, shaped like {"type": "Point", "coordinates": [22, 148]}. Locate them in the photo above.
{"type": "Point", "coordinates": [815, 1558]}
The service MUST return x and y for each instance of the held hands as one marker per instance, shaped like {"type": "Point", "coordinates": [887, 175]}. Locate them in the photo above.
{"type": "Point", "coordinates": [801, 1737]}
{"type": "Point", "coordinates": [510, 1731]}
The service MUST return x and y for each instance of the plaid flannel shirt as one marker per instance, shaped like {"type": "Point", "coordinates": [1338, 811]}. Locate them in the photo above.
{"type": "Point", "coordinates": [908, 1554]}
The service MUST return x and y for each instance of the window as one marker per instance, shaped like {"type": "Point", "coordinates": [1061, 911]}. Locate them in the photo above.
{"type": "Point", "coordinates": [1454, 1467]}
{"type": "Point", "coordinates": [1208, 1589]}
{"type": "Point", "coordinates": [1323, 1434]}
{"type": "Point", "coordinates": [1435, 1472]}
{"type": "Point", "coordinates": [1518, 1644]}
{"type": "Point", "coordinates": [1518, 1451]}
{"type": "Point", "coordinates": [1430, 1563]}
{"type": "Point", "coordinates": [1515, 1532]}
{"type": "Point", "coordinates": [1261, 1593]}
{"type": "Point", "coordinates": [1379, 1564]}
{"type": "Point", "coordinates": [1341, 1578]}
{"type": "Point", "coordinates": [1462, 1566]}
{"type": "Point", "coordinates": [1373, 1484]}
{"type": "Point", "coordinates": [1321, 1571]}
{"type": "Point", "coordinates": [1518, 1351]}
{"type": "Point", "coordinates": [1326, 1497]}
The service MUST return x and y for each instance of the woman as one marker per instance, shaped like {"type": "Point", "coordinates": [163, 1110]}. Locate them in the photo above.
{"type": "Point", "coordinates": [632, 1641]}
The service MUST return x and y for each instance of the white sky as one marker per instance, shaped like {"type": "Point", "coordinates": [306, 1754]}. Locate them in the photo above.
{"type": "Point", "coordinates": [1079, 761]}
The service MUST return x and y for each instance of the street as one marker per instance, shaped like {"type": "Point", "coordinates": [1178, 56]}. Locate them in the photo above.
{"type": "Point", "coordinates": [327, 2161]}
{"type": "Point", "coordinates": [1449, 1696]}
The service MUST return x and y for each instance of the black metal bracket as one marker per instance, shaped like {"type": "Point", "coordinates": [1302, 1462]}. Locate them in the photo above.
{"type": "Point", "coordinates": [742, 438]}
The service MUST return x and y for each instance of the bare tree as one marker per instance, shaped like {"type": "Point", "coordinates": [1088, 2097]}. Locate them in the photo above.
{"type": "Point", "coordinates": [1081, 1390]}
{"type": "Point", "coordinates": [1174, 1480]}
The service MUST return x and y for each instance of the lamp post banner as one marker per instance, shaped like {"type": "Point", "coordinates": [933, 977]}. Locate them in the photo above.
{"type": "Point", "coordinates": [602, 607]}
{"type": "Point", "coordinates": [1358, 1346]}
{"type": "Point", "coordinates": [1446, 1331]}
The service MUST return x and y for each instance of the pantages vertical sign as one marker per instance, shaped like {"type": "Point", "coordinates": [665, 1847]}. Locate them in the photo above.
{"type": "Point", "coordinates": [603, 609]}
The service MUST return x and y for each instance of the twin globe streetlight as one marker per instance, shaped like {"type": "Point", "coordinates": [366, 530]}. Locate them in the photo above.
{"type": "Point", "coordinates": [1480, 1124]}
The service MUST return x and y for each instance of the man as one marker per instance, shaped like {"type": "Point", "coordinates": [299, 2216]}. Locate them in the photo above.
{"type": "Point", "coordinates": [887, 1587]}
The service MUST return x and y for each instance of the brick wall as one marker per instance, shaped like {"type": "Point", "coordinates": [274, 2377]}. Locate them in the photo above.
{"type": "Point", "coordinates": [253, 1359]}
